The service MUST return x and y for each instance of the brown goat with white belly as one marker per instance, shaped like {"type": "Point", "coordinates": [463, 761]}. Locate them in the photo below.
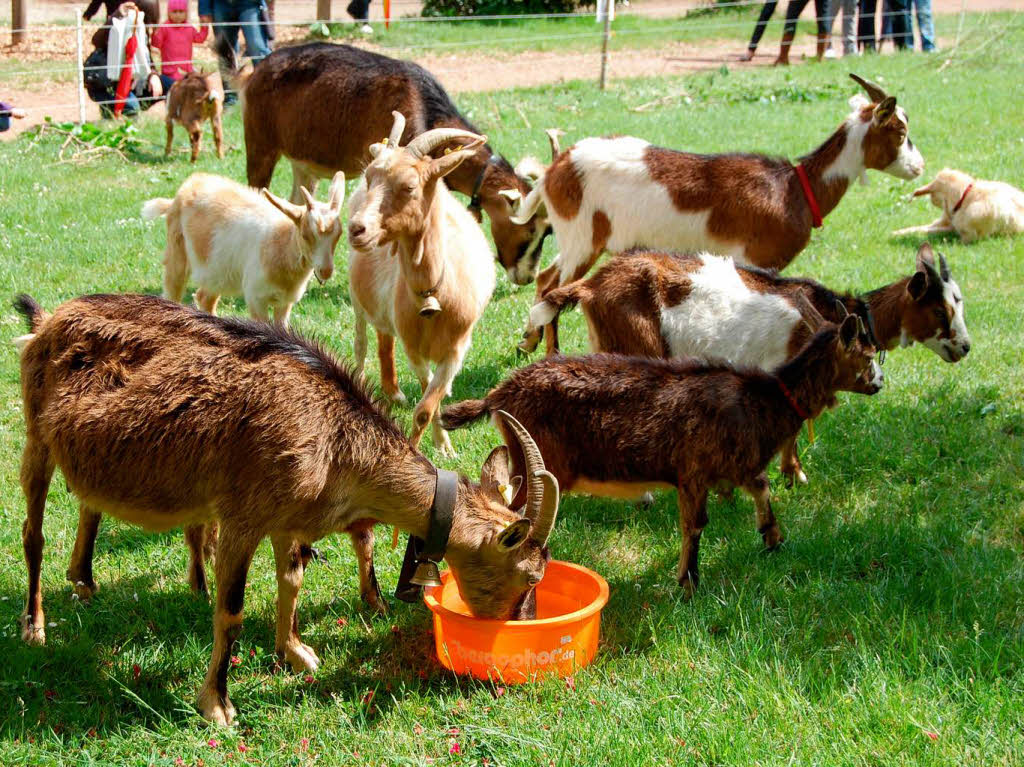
{"type": "Point", "coordinates": [619, 426]}
{"type": "Point", "coordinates": [656, 304]}
{"type": "Point", "coordinates": [164, 416]}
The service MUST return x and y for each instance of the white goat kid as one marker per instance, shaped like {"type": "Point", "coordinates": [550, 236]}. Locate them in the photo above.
{"type": "Point", "coordinates": [420, 267]}
{"type": "Point", "coordinates": [237, 241]}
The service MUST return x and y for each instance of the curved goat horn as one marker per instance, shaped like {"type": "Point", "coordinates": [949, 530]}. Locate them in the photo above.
{"type": "Point", "coordinates": [808, 312]}
{"type": "Point", "coordinates": [534, 467]}
{"type": "Point", "coordinates": [397, 129]}
{"type": "Point", "coordinates": [874, 90]}
{"type": "Point", "coordinates": [545, 522]}
{"type": "Point", "coordinates": [553, 136]}
{"type": "Point", "coordinates": [425, 143]}
{"type": "Point", "coordinates": [943, 268]}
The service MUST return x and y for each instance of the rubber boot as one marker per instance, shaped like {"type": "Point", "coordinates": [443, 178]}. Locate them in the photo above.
{"type": "Point", "coordinates": [787, 41]}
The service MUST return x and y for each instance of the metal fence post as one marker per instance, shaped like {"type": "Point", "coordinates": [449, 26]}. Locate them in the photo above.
{"type": "Point", "coordinates": [605, 10]}
{"type": "Point", "coordinates": [81, 64]}
{"type": "Point", "coordinates": [323, 10]}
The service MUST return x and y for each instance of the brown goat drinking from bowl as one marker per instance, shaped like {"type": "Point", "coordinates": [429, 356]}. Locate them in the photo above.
{"type": "Point", "coordinates": [165, 416]}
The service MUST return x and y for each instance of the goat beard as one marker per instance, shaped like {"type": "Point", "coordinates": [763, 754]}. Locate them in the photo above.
{"type": "Point", "coordinates": [526, 610]}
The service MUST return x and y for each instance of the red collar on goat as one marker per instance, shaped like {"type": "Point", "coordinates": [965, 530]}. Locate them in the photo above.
{"type": "Point", "coordinates": [963, 197]}
{"type": "Point", "coordinates": [797, 407]}
{"type": "Point", "coordinates": [805, 182]}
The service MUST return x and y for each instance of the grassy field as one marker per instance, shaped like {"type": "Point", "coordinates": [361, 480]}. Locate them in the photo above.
{"type": "Point", "coordinates": [889, 629]}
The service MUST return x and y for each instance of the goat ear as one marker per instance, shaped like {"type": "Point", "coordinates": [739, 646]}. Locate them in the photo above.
{"type": "Point", "coordinates": [293, 211]}
{"type": "Point", "coordinates": [848, 330]}
{"type": "Point", "coordinates": [515, 535]}
{"type": "Point", "coordinates": [918, 285]}
{"type": "Point", "coordinates": [446, 163]}
{"type": "Point", "coordinates": [528, 207]}
{"type": "Point", "coordinates": [336, 195]}
{"type": "Point", "coordinates": [885, 110]}
{"type": "Point", "coordinates": [494, 475]}
{"type": "Point", "coordinates": [926, 263]}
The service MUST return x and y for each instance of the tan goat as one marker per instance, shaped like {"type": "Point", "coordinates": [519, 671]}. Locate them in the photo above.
{"type": "Point", "coordinates": [420, 267]}
{"type": "Point", "coordinates": [164, 416]}
{"type": "Point", "coordinates": [194, 98]}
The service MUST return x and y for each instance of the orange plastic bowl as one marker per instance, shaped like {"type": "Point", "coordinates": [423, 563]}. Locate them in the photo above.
{"type": "Point", "coordinates": [562, 639]}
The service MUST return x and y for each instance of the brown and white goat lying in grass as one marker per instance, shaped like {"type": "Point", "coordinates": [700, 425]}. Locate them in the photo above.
{"type": "Point", "coordinates": [971, 207]}
{"type": "Point", "coordinates": [237, 241]}
{"type": "Point", "coordinates": [165, 416]}
{"type": "Point", "coordinates": [419, 267]}
{"type": "Point", "coordinates": [620, 426]}
{"type": "Point", "coordinates": [194, 98]}
{"type": "Point", "coordinates": [617, 193]}
{"type": "Point", "coordinates": [656, 304]}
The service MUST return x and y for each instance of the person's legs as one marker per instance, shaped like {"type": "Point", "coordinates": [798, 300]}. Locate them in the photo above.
{"type": "Point", "coordinates": [793, 11]}
{"type": "Point", "coordinates": [849, 27]}
{"type": "Point", "coordinates": [766, 13]}
{"type": "Point", "coordinates": [866, 24]}
{"type": "Point", "coordinates": [925, 25]}
{"type": "Point", "coordinates": [821, 8]}
{"type": "Point", "coordinates": [902, 31]}
{"type": "Point", "coordinates": [359, 10]}
{"type": "Point", "coordinates": [225, 28]}
{"type": "Point", "coordinates": [255, 43]}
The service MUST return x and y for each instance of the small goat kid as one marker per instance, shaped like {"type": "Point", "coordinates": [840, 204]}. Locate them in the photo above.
{"type": "Point", "coordinates": [655, 304]}
{"type": "Point", "coordinates": [619, 426]}
{"type": "Point", "coordinates": [237, 242]}
{"type": "Point", "coordinates": [165, 416]}
{"type": "Point", "coordinates": [419, 267]}
{"type": "Point", "coordinates": [194, 98]}
{"type": "Point", "coordinates": [618, 193]}
{"type": "Point", "coordinates": [971, 207]}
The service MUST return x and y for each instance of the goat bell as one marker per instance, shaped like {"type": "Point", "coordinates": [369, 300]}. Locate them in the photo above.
{"type": "Point", "coordinates": [426, 574]}
{"type": "Point", "coordinates": [430, 307]}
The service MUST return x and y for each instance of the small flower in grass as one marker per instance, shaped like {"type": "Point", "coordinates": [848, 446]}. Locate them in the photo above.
{"type": "Point", "coordinates": [570, 683]}
{"type": "Point", "coordinates": [454, 731]}
{"type": "Point", "coordinates": [212, 743]}
{"type": "Point", "coordinates": [499, 691]}
{"type": "Point", "coordinates": [931, 735]}
{"type": "Point", "coordinates": [309, 679]}
{"type": "Point", "coordinates": [454, 748]}
{"type": "Point", "coordinates": [178, 761]}
{"type": "Point", "coordinates": [417, 728]}
{"type": "Point", "coordinates": [136, 671]}
{"type": "Point", "coordinates": [342, 622]}
{"type": "Point", "coordinates": [236, 661]}
{"type": "Point", "coordinates": [252, 653]}
{"type": "Point", "coordinates": [50, 694]}
{"type": "Point", "coordinates": [242, 748]}
{"type": "Point", "coordinates": [304, 744]}
{"type": "Point", "coordinates": [368, 697]}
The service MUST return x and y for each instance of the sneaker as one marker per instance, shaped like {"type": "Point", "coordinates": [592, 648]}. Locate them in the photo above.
{"type": "Point", "coordinates": [366, 29]}
{"type": "Point", "coordinates": [830, 53]}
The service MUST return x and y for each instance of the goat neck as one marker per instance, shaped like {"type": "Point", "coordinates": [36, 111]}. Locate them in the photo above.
{"type": "Point", "coordinates": [888, 305]}
{"type": "Point", "coordinates": [400, 495]}
{"type": "Point", "coordinates": [828, 172]}
{"type": "Point", "coordinates": [422, 252]}
{"type": "Point", "coordinates": [810, 377]}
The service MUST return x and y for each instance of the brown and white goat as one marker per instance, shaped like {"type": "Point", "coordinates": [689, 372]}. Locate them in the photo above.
{"type": "Point", "coordinates": [419, 267]}
{"type": "Point", "coordinates": [164, 416]}
{"type": "Point", "coordinates": [617, 193]}
{"type": "Point", "coordinates": [655, 304]}
{"type": "Point", "coordinates": [321, 105]}
{"type": "Point", "coordinates": [192, 99]}
{"type": "Point", "coordinates": [237, 241]}
{"type": "Point", "coordinates": [619, 426]}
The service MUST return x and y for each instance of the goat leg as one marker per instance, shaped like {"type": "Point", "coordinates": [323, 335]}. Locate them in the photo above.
{"type": "Point", "coordinates": [234, 555]}
{"type": "Point", "coordinates": [80, 568]}
{"type": "Point", "coordinates": [693, 517]}
{"type": "Point", "coordinates": [170, 136]}
{"type": "Point", "coordinates": [195, 137]}
{"type": "Point", "coordinates": [36, 472]}
{"type": "Point", "coordinates": [218, 134]}
{"type": "Point", "coordinates": [388, 373]}
{"type": "Point", "coordinates": [938, 226]}
{"type": "Point", "coordinates": [291, 558]}
{"type": "Point", "coordinates": [759, 490]}
{"type": "Point", "coordinates": [369, 590]}
{"type": "Point", "coordinates": [195, 538]}
{"type": "Point", "coordinates": [789, 463]}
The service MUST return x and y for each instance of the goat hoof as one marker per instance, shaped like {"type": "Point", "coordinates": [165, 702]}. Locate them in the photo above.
{"type": "Point", "coordinates": [375, 602]}
{"type": "Point", "coordinates": [645, 501]}
{"type": "Point", "coordinates": [301, 657]}
{"type": "Point", "coordinates": [688, 583]}
{"type": "Point", "coordinates": [32, 634]}
{"type": "Point", "coordinates": [398, 398]}
{"type": "Point", "coordinates": [215, 709]}
{"type": "Point", "coordinates": [772, 538]}
{"type": "Point", "coordinates": [801, 477]}
{"type": "Point", "coordinates": [85, 591]}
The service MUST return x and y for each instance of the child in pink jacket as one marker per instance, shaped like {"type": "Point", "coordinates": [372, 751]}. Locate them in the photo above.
{"type": "Point", "coordinates": [174, 39]}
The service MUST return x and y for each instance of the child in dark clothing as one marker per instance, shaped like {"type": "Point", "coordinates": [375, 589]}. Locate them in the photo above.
{"type": "Point", "coordinates": [7, 111]}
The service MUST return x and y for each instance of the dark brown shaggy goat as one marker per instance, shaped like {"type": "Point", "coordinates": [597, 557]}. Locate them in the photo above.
{"type": "Point", "coordinates": [322, 105]}
{"type": "Point", "coordinates": [165, 416]}
{"type": "Point", "coordinates": [619, 426]}
{"type": "Point", "coordinates": [194, 98]}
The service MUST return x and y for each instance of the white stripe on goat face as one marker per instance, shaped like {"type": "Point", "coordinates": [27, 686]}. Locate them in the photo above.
{"type": "Point", "coordinates": [958, 343]}
{"type": "Point", "coordinates": [722, 318]}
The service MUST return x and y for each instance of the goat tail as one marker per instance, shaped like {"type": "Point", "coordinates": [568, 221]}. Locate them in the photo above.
{"type": "Point", "coordinates": [34, 316]}
{"type": "Point", "coordinates": [463, 413]}
{"type": "Point", "coordinates": [567, 296]}
{"type": "Point", "coordinates": [158, 206]}
{"type": "Point", "coordinates": [237, 73]}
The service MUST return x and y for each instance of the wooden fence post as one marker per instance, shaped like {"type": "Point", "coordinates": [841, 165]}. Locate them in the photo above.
{"type": "Point", "coordinates": [19, 20]}
{"type": "Point", "coordinates": [323, 10]}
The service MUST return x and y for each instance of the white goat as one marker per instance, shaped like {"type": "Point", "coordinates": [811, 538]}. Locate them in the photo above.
{"type": "Point", "coordinates": [238, 242]}
{"type": "Point", "coordinates": [420, 267]}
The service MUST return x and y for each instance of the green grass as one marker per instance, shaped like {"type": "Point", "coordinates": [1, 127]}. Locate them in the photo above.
{"type": "Point", "coordinates": [894, 610]}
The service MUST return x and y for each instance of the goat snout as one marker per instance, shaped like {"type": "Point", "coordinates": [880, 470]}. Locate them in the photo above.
{"type": "Point", "coordinates": [324, 273]}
